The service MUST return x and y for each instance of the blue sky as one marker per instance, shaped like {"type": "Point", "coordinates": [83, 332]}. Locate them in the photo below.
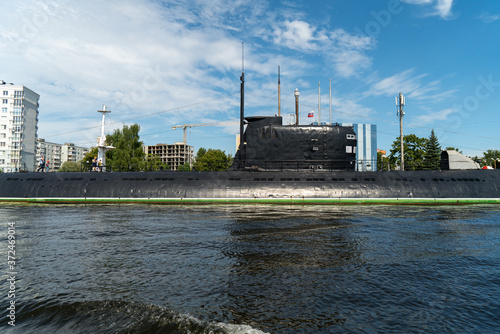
{"type": "Point", "coordinates": [166, 63]}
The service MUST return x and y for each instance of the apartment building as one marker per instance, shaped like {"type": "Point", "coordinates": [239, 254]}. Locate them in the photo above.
{"type": "Point", "coordinates": [18, 127]}
{"type": "Point", "coordinates": [58, 154]}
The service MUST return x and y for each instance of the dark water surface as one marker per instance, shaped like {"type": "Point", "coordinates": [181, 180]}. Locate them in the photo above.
{"type": "Point", "coordinates": [252, 269]}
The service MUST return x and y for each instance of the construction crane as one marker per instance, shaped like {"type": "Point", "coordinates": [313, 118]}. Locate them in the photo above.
{"type": "Point", "coordinates": [185, 126]}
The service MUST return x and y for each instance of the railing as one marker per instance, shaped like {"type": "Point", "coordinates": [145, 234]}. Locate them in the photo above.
{"type": "Point", "coordinates": [295, 165]}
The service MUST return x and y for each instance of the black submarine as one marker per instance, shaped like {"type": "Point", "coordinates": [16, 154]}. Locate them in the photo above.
{"type": "Point", "coordinates": [275, 164]}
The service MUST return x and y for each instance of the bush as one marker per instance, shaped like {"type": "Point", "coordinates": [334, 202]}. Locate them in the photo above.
{"type": "Point", "coordinates": [70, 166]}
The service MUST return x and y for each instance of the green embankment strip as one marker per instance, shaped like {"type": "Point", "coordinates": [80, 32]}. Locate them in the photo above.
{"type": "Point", "coordinates": [278, 201]}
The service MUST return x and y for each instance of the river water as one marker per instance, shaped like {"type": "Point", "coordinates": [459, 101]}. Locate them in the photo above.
{"type": "Point", "coordinates": [250, 269]}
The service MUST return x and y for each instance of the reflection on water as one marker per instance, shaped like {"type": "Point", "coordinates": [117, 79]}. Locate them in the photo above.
{"type": "Point", "coordinates": [279, 269]}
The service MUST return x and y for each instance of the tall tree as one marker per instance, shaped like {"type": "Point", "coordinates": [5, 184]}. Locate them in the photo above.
{"type": "Point", "coordinates": [432, 155]}
{"type": "Point", "coordinates": [201, 152]}
{"type": "Point", "coordinates": [128, 154]}
{"type": "Point", "coordinates": [414, 148]}
{"type": "Point", "coordinates": [212, 160]}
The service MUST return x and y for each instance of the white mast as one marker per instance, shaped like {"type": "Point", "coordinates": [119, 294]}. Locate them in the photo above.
{"type": "Point", "coordinates": [101, 141]}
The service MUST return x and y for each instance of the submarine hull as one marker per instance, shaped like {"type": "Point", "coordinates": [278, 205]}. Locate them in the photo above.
{"type": "Point", "coordinates": [325, 187]}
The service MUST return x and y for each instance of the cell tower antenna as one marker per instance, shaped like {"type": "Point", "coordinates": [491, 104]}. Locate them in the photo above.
{"type": "Point", "coordinates": [400, 102]}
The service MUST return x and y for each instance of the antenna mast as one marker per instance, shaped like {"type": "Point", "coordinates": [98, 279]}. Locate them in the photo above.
{"type": "Point", "coordinates": [330, 101]}
{"type": "Point", "coordinates": [279, 93]}
{"type": "Point", "coordinates": [319, 103]}
{"type": "Point", "coordinates": [400, 102]}
{"type": "Point", "coordinates": [242, 103]}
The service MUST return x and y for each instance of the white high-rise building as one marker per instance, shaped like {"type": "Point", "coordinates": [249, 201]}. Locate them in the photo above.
{"type": "Point", "coordinates": [18, 127]}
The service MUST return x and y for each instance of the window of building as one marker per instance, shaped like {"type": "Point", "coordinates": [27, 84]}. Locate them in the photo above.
{"type": "Point", "coordinates": [5, 93]}
{"type": "Point", "coordinates": [2, 143]}
{"type": "Point", "coordinates": [5, 101]}
{"type": "Point", "coordinates": [18, 93]}
{"type": "Point", "coordinates": [2, 135]}
{"type": "Point", "coordinates": [4, 109]}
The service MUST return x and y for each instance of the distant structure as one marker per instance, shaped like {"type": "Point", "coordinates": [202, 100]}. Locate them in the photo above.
{"type": "Point", "coordinates": [366, 153]}
{"type": "Point", "coordinates": [18, 127]}
{"type": "Point", "coordinates": [174, 155]}
{"type": "Point", "coordinates": [58, 154]}
{"type": "Point", "coordinates": [454, 160]}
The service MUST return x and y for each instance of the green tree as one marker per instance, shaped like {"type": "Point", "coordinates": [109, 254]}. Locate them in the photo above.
{"type": "Point", "coordinates": [491, 158]}
{"type": "Point", "coordinates": [154, 163]}
{"type": "Point", "coordinates": [201, 152]}
{"type": "Point", "coordinates": [128, 154]}
{"type": "Point", "coordinates": [383, 162]}
{"type": "Point", "coordinates": [212, 160]}
{"type": "Point", "coordinates": [450, 148]}
{"type": "Point", "coordinates": [414, 149]}
{"type": "Point", "coordinates": [184, 168]}
{"type": "Point", "coordinates": [432, 155]}
{"type": "Point", "coordinates": [88, 157]}
{"type": "Point", "coordinates": [70, 166]}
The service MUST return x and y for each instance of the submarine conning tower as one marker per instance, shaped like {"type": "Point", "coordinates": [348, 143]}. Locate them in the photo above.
{"type": "Point", "coordinates": [267, 144]}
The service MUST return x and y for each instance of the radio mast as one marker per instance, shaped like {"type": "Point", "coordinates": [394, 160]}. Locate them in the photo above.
{"type": "Point", "coordinates": [279, 92]}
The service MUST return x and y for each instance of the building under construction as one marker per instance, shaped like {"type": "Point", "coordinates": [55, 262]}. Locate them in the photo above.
{"type": "Point", "coordinates": [174, 155]}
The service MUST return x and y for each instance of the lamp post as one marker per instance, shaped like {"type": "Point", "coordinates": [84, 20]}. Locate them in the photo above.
{"type": "Point", "coordinates": [296, 94]}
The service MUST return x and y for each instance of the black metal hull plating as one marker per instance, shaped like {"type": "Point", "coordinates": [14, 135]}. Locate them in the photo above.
{"type": "Point", "coordinates": [244, 185]}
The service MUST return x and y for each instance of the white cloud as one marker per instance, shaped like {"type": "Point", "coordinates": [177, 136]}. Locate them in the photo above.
{"type": "Point", "coordinates": [298, 35]}
{"type": "Point", "coordinates": [488, 18]}
{"type": "Point", "coordinates": [406, 82]}
{"type": "Point", "coordinates": [350, 62]}
{"type": "Point", "coordinates": [346, 52]}
{"type": "Point", "coordinates": [412, 85]}
{"type": "Point", "coordinates": [442, 8]}
{"type": "Point", "coordinates": [429, 118]}
{"type": "Point", "coordinates": [123, 54]}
